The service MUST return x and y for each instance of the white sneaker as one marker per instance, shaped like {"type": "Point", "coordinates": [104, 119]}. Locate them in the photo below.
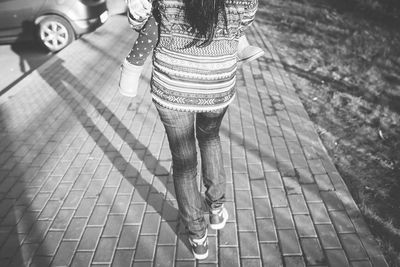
{"type": "Point", "coordinates": [200, 247]}
{"type": "Point", "coordinates": [218, 218]}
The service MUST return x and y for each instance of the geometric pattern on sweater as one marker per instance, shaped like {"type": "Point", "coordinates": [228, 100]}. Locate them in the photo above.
{"type": "Point", "coordinates": [193, 78]}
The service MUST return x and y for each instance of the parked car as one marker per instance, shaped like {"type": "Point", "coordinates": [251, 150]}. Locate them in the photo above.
{"type": "Point", "coordinates": [56, 23]}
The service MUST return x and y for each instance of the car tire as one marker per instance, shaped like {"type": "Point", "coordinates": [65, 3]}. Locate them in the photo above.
{"type": "Point", "coordinates": [55, 33]}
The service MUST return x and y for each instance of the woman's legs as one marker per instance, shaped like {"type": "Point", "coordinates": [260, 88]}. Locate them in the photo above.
{"type": "Point", "coordinates": [180, 129]}
{"type": "Point", "coordinates": [207, 133]}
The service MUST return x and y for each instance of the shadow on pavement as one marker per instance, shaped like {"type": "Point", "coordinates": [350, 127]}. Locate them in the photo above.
{"type": "Point", "coordinates": [166, 211]}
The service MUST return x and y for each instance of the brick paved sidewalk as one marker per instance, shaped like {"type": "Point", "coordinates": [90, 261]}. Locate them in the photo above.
{"type": "Point", "coordinates": [85, 172]}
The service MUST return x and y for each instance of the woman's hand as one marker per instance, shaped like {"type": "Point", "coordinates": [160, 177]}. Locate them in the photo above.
{"type": "Point", "coordinates": [139, 9]}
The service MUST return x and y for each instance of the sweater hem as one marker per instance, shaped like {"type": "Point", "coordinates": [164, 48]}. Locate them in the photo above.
{"type": "Point", "coordinates": [186, 108]}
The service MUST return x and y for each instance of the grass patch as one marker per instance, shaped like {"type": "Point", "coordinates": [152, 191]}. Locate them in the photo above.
{"type": "Point", "coordinates": [344, 60]}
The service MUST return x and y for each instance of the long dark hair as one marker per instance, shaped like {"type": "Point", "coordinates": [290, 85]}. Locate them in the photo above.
{"type": "Point", "coordinates": [203, 16]}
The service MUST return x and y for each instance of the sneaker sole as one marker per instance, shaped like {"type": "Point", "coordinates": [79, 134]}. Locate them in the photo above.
{"type": "Point", "coordinates": [200, 256]}
{"type": "Point", "coordinates": [219, 226]}
{"type": "Point", "coordinates": [253, 57]}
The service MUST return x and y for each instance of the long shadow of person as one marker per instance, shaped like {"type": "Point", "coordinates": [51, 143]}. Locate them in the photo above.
{"type": "Point", "coordinates": [67, 88]}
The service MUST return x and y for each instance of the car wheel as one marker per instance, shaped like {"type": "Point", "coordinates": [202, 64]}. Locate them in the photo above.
{"type": "Point", "coordinates": [55, 33]}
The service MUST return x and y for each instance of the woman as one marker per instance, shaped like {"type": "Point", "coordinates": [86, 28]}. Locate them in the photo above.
{"type": "Point", "coordinates": [192, 84]}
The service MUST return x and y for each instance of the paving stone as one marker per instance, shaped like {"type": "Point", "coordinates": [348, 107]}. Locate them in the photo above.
{"type": "Point", "coordinates": [294, 147]}
{"type": "Point", "coordinates": [238, 151]}
{"type": "Point", "coordinates": [246, 244]}
{"type": "Point", "coordinates": [185, 263]}
{"type": "Point", "coordinates": [135, 214]}
{"type": "Point", "coordinates": [38, 179]}
{"type": "Point", "coordinates": [269, 163]}
{"type": "Point", "coordinates": [72, 174]}
{"type": "Point", "coordinates": [94, 189]}
{"type": "Point", "coordinates": [292, 186]}
{"type": "Point", "coordinates": [229, 193]}
{"type": "Point", "coordinates": [140, 194]}
{"type": "Point", "coordinates": [228, 237]}
{"type": "Point", "coordinates": [123, 257]}
{"type": "Point", "coordinates": [304, 225]}
{"type": "Point", "coordinates": [331, 201]}
{"type": "Point", "coordinates": [146, 247]}
{"type": "Point", "coordinates": [353, 247]}
{"type": "Point", "coordinates": [299, 160]}
{"type": "Point", "coordinates": [75, 229]}
{"type": "Point", "coordinates": [274, 179]}
{"type": "Point", "coordinates": [283, 218]}
{"type": "Point", "coordinates": [82, 258]}
{"type": "Point", "coordinates": [61, 192]}
{"type": "Point", "coordinates": [298, 204]}
{"type": "Point", "coordinates": [286, 168]}
{"type": "Point", "coordinates": [50, 243]}
{"type": "Point", "coordinates": [328, 236]}
{"type": "Point", "coordinates": [229, 257]}
{"type": "Point", "coordinates": [65, 253]}
{"type": "Point", "coordinates": [128, 236]}
{"type": "Point", "coordinates": [279, 142]}
{"type": "Point", "coordinates": [313, 253]}
{"type": "Point", "coordinates": [150, 224]}
{"type": "Point", "coordinates": [316, 166]}
{"type": "Point", "coordinates": [243, 199]}
{"type": "Point", "coordinates": [304, 175]}
{"type": "Point", "coordinates": [85, 206]}
{"type": "Point", "coordinates": [183, 251]}
{"type": "Point", "coordinates": [324, 182]}
{"type": "Point", "coordinates": [39, 202]}
{"type": "Point", "coordinates": [121, 204]}
{"type": "Point", "coordinates": [342, 222]}
{"type": "Point", "coordinates": [336, 258]}
{"type": "Point", "coordinates": [365, 263]}
{"type": "Point", "coordinates": [319, 213]}
{"type": "Point", "coordinates": [270, 254]}
{"type": "Point", "coordinates": [113, 226]}
{"type": "Point", "coordinates": [90, 166]}
{"type": "Point", "coordinates": [251, 262]}
{"type": "Point", "coordinates": [289, 242]}
{"type": "Point", "coordinates": [253, 156]}
{"type": "Point", "coordinates": [246, 220]}
{"type": "Point", "coordinates": [165, 256]}
{"type": "Point", "coordinates": [99, 215]}
{"type": "Point", "coordinates": [62, 220]}
{"type": "Point", "coordinates": [262, 208]}
{"type": "Point", "coordinates": [278, 197]}
{"type": "Point", "coordinates": [26, 252]}
{"type": "Point", "coordinates": [255, 171]}
{"type": "Point", "coordinates": [259, 188]}
{"type": "Point", "coordinates": [294, 261]}
{"type": "Point", "coordinates": [311, 193]}
{"type": "Point", "coordinates": [239, 165]}
{"type": "Point", "coordinates": [38, 231]}
{"type": "Point", "coordinates": [105, 250]}
{"type": "Point", "coordinates": [90, 238]}
{"type": "Point", "coordinates": [41, 261]}
{"type": "Point", "coordinates": [82, 182]}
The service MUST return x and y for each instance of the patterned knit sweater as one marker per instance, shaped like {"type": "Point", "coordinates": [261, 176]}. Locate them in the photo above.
{"type": "Point", "coordinates": [192, 78]}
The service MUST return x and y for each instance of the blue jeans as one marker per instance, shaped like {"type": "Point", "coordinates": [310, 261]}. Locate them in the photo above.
{"type": "Point", "coordinates": [182, 129]}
